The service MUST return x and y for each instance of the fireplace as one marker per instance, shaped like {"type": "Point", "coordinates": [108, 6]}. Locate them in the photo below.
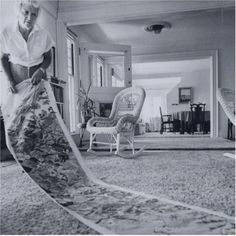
{"type": "Point", "coordinates": [105, 109]}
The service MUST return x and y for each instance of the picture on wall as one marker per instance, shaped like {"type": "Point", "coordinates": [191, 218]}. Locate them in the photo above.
{"type": "Point", "coordinates": [185, 95]}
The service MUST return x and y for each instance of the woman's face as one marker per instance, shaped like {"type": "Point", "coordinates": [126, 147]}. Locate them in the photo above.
{"type": "Point", "coordinates": [28, 16]}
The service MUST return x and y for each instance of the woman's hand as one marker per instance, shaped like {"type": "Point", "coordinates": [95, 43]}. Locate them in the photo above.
{"type": "Point", "coordinates": [37, 76]}
{"type": "Point", "coordinates": [12, 87]}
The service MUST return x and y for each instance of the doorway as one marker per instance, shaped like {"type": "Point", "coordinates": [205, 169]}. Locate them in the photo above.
{"type": "Point", "coordinates": [166, 83]}
{"type": "Point", "coordinates": [200, 75]}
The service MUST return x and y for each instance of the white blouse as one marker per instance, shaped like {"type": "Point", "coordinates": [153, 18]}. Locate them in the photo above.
{"type": "Point", "coordinates": [24, 53]}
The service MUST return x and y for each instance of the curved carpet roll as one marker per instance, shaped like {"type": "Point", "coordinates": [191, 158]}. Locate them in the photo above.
{"type": "Point", "coordinates": [226, 98]}
{"type": "Point", "coordinates": [43, 147]}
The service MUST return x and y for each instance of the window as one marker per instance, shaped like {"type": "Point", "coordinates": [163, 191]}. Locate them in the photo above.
{"type": "Point", "coordinates": [57, 88]}
{"type": "Point", "coordinates": [71, 82]}
{"type": "Point", "coordinates": [71, 86]}
{"type": "Point", "coordinates": [70, 55]}
{"type": "Point", "coordinates": [100, 76]}
{"type": "Point", "coordinates": [105, 65]}
{"type": "Point", "coordinates": [96, 71]}
{"type": "Point", "coordinates": [117, 80]}
{"type": "Point", "coordinates": [106, 71]}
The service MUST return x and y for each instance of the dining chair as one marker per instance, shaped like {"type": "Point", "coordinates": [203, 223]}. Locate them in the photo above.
{"type": "Point", "coordinates": [167, 123]}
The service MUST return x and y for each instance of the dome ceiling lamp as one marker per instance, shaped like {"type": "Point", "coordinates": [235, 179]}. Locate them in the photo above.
{"type": "Point", "coordinates": [158, 27]}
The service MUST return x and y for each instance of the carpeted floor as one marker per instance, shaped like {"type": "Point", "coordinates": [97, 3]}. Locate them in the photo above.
{"type": "Point", "coordinates": [185, 142]}
{"type": "Point", "coordinates": [203, 178]}
{"type": "Point", "coordinates": [155, 141]}
{"type": "Point", "coordinates": [27, 210]}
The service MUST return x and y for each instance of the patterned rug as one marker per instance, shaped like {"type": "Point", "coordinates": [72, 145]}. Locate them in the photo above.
{"type": "Point", "coordinates": [42, 146]}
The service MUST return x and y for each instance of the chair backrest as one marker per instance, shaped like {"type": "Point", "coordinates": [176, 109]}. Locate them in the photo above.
{"type": "Point", "coordinates": [161, 113]}
{"type": "Point", "coordinates": [128, 101]}
{"type": "Point", "coordinates": [199, 110]}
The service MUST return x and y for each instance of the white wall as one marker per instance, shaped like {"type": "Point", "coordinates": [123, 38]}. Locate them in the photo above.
{"type": "Point", "coordinates": [200, 82]}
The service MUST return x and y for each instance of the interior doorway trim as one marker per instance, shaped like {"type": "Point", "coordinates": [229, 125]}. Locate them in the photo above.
{"type": "Point", "coordinates": [191, 55]}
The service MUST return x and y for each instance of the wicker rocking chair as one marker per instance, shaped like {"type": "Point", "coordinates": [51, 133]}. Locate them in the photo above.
{"type": "Point", "coordinates": [125, 112]}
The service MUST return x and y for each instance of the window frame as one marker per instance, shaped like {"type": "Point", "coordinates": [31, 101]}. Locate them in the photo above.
{"type": "Point", "coordinates": [71, 75]}
{"type": "Point", "coordinates": [71, 40]}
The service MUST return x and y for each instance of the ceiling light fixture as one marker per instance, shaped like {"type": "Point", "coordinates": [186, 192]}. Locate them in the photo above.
{"type": "Point", "coordinates": [157, 27]}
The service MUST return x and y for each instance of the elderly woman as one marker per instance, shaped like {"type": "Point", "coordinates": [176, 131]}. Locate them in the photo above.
{"type": "Point", "coordinates": [25, 47]}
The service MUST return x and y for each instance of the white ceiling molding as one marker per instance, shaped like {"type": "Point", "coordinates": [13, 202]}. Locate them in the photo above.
{"type": "Point", "coordinates": [183, 66]}
{"type": "Point", "coordinates": [81, 5]}
{"type": "Point", "coordinates": [80, 12]}
{"type": "Point", "coordinates": [175, 56]}
{"type": "Point", "coordinates": [157, 76]}
{"type": "Point", "coordinates": [106, 48]}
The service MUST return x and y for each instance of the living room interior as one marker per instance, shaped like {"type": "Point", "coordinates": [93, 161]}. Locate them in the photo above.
{"type": "Point", "coordinates": [103, 47]}
{"type": "Point", "coordinates": [156, 66]}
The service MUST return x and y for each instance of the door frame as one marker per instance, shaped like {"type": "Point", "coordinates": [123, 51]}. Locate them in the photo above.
{"type": "Point", "coordinates": [104, 93]}
{"type": "Point", "coordinates": [212, 55]}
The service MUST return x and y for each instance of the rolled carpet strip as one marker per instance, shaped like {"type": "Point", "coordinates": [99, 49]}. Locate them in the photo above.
{"type": "Point", "coordinates": [226, 98]}
{"type": "Point", "coordinates": [41, 144]}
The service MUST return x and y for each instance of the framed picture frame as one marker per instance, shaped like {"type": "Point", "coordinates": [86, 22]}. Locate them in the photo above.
{"type": "Point", "coordinates": [185, 94]}
{"type": "Point", "coordinates": [51, 70]}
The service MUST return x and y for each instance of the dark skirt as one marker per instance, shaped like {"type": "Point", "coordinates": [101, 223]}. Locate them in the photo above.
{"type": "Point", "coordinates": [20, 73]}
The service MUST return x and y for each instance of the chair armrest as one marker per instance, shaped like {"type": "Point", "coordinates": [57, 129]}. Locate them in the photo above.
{"type": "Point", "coordinates": [101, 120]}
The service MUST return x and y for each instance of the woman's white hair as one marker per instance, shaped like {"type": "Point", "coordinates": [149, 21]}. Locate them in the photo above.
{"type": "Point", "coordinates": [32, 3]}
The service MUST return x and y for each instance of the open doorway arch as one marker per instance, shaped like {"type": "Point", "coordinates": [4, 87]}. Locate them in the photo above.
{"type": "Point", "coordinates": [212, 55]}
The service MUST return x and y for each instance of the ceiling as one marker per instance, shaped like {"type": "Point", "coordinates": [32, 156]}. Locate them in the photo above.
{"type": "Point", "coordinates": [92, 11]}
{"type": "Point", "coordinates": [132, 32]}
{"type": "Point", "coordinates": [186, 23]}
